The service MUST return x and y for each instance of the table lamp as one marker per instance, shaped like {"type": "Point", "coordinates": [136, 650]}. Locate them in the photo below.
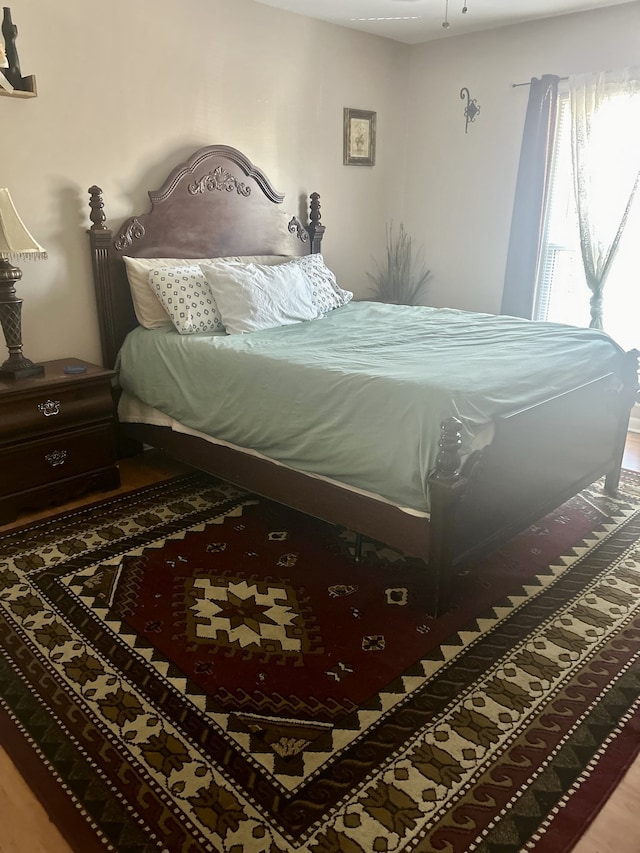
{"type": "Point", "coordinates": [16, 243]}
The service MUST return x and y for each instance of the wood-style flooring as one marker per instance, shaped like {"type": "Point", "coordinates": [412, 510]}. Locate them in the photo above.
{"type": "Point", "coordinates": [26, 828]}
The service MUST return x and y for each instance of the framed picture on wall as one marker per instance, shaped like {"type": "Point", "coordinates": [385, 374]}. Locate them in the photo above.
{"type": "Point", "coordinates": [359, 137]}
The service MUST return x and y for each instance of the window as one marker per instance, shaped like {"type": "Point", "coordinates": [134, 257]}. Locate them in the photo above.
{"type": "Point", "coordinates": [562, 294]}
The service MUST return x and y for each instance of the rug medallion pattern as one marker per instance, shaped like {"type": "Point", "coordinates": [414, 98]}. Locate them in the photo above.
{"type": "Point", "coordinates": [205, 671]}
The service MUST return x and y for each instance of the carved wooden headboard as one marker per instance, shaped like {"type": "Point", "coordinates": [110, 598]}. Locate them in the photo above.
{"type": "Point", "coordinates": [215, 204]}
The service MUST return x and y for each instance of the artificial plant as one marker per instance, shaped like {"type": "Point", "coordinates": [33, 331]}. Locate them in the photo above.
{"type": "Point", "coordinates": [402, 277]}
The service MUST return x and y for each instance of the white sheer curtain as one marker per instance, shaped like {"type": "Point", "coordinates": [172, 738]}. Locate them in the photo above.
{"type": "Point", "coordinates": [605, 136]}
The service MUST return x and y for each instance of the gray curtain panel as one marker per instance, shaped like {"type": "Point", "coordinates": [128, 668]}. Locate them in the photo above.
{"type": "Point", "coordinates": [531, 189]}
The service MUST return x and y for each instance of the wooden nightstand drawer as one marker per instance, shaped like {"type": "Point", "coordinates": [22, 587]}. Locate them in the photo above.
{"type": "Point", "coordinates": [51, 409]}
{"type": "Point", "coordinates": [29, 464]}
{"type": "Point", "coordinates": [56, 401]}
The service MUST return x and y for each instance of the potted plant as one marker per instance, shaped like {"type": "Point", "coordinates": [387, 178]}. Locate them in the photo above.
{"type": "Point", "coordinates": [402, 277]}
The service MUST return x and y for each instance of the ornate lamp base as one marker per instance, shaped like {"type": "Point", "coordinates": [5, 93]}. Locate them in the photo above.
{"type": "Point", "coordinates": [17, 366]}
{"type": "Point", "coordinates": [20, 369]}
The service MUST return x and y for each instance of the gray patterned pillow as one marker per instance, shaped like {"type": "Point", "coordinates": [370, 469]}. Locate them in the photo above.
{"type": "Point", "coordinates": [187, 298]}
{"type": "Point", "coordinates": [327, 293]}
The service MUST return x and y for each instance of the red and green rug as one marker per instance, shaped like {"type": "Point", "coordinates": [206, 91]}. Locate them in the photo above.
{"type": "Point", "coordinates": [191, 668]}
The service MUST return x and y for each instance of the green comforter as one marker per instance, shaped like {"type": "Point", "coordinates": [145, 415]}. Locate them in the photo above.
{"type": "Point", "coordinates": [359, 395]}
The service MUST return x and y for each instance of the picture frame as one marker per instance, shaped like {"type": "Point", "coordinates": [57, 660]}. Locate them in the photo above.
{"type": "Point", "coordinates": [359, 137]}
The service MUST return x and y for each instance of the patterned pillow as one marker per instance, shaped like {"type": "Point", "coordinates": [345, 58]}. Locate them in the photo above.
{"type": "Point", "coordinates": [327, 294]}
{"type": "Point", "coordinates": [187, 298]}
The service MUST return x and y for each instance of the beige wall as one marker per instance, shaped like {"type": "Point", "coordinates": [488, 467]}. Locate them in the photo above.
{"type": "Point", "coordinates": [127, 89]}
{"type": "Point", "coordinates": [460, 186]}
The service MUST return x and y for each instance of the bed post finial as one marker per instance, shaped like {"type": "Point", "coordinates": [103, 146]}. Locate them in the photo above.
{"type": "Point", "coordinates": [100, 243]}
{"type": "Point", "coordinates": [315, 227]}
{"type": "Point", "coordinates": [96, 203]}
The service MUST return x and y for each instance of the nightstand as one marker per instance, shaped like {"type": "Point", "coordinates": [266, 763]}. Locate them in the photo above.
{"type": "Point", "coordinates": [57, 437]}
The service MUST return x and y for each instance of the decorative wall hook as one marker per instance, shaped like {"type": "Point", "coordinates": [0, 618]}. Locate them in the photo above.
{"type": "Point", "coordinates": [471, 110]}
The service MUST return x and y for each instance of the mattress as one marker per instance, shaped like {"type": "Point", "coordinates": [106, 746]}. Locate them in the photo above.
{"type": "Point", "coordinates": [359, 396]}
{"type": "Point", "coordinates": [134, 411]}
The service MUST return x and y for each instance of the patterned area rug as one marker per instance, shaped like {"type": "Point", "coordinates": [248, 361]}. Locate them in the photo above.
{"type": "Point", "coordinates": [190, 668]}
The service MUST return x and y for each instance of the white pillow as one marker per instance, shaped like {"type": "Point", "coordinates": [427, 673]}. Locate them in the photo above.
{"type": "Point", "coordinates": [148, 309]}
{"type": "Point", "coordinates": [252, 296]}
{"type": "Point", "coordinates": [187, 298]}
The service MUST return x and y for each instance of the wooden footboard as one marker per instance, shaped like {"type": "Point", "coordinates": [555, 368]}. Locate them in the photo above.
{"type": "Point", "coordinates": [539, 457]}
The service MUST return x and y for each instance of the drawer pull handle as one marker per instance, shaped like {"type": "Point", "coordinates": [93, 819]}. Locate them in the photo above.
{"type": "Point", "coordinates": [56, 457]}
{"type": "Point", "coordinates": [50, 408]}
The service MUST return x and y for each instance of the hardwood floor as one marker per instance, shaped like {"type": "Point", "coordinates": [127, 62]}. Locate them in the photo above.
{"type": "Point", "coordinates": [26, 828]}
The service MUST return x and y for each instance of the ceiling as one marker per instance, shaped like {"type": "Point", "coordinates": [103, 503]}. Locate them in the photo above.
{"type": "Point", "coordinates": [416, 21]}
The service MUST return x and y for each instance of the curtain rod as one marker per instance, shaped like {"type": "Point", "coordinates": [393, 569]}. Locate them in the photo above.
{"type": "Point", "coordinates": [515, 85]}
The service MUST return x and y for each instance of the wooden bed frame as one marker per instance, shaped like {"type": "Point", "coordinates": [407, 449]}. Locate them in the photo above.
{"type": "Point", "coordinates": [218, 204]}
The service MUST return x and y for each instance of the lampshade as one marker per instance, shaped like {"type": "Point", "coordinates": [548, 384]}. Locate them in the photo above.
{"type": "Point", "coordinates": [15, 240]}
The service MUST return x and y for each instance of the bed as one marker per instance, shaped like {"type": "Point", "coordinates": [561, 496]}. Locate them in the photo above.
{"type": "Point", "coordinates": [475, 484]}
